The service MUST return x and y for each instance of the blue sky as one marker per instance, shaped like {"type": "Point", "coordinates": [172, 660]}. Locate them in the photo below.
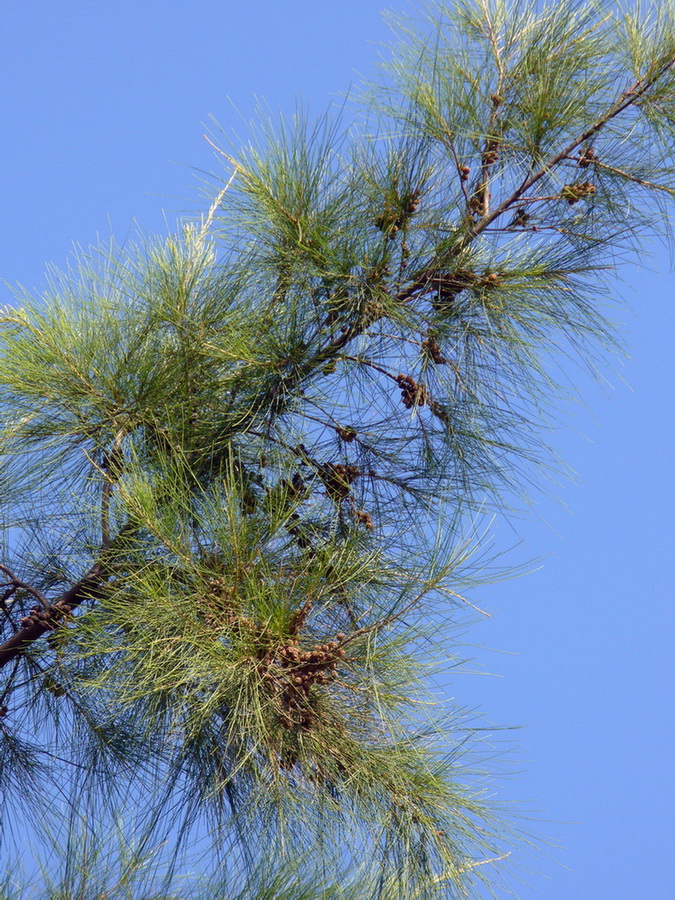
{"type": "Point", "coordinates": [104, 106]}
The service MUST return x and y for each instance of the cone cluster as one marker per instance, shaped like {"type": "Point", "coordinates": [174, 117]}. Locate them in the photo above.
{"type": "Point", "coordinates": [346, 434]}
{"type": "Point", "coordinates": [395, 217]}
{"type": "Point", "coordinates": [431, 347]}
{"type": "Point", "coordinates": [491, 153]}
{"type": "Point", "coordinates": [412, 393]}
{"type": "Point", "coordinates": [577, 191]}
{"type": "Point", "coordinates": [587, 157]}
{"type": "Point", "coordinates": [50, 618]}
{"type": "Point", "coordinates": [337, 479]}
{"type": "Point", "coordinates": [364, 518]}
{"type": "Point", "coordinates": [219, 600]}
{"type": "Point", "coordinates": [290, 673]}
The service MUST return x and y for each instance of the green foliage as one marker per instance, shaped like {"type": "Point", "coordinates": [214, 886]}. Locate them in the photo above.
{"type": "Point", "coordinates": [238, 466]}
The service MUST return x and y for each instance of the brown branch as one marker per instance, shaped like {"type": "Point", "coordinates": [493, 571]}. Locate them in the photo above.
{"type": "Point", "coordinates": [82, 590]}
{"type": "Point", "coordinates": [89, 587]}
{"type": "Point", "coordinates": [629, 177]}
{"type": "Point", "coordinates": [489, 156]}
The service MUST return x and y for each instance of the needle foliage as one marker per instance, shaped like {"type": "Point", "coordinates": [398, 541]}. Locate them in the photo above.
{"type": "Point", "coordinates": [241, 467]}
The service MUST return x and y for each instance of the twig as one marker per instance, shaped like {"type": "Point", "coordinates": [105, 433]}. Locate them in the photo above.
{"type": "Point", "coordinates": [17, 582]}
{"type": "Point", "coordinates": [8, 686]}
{"type": "Point", "coordinates": [627, 99]}
{"type": "Point", "coordinates": [629, 177]}
{"type": "Point", "coordinates": [214, 206]}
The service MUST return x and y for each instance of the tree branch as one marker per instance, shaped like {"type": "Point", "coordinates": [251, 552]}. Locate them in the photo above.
{"type": "Point", "coordinates": [627, 99]}
{"type": "Point", "coordinates": [89, 587]}
{"type": "Point", "coordinates": [82, 590]}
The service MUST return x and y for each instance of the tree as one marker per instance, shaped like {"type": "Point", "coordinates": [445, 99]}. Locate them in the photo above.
{"type": "Point", "coordinates": [243, 468]}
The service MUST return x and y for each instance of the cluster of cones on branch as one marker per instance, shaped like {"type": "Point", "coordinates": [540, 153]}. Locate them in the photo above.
{"type": "Point", "coordinates": [577, 191]}
{"type": "Point", "coordinates": [347, 433]}
{"type": "Point", "coordinates": [364, 518]}
{"type": "Point", "coordinates": [491, 152]}
{"type": "Point", "coordinates": [337, 479]}
{"type": "Point", "coordinates": [220, 603]}
{"type": "Point", "coordinates": [395, 216]}
{"type": "Point", "coordinates": [431, 347]}
{"type": "Point", "coordinates": [412, 392]}
{"type": "Point", "coordinates": [48, 617]}
{"type": "Point", "coordinates": [290, 671]}
{"type": "Point", "coordinates": [587, 157]}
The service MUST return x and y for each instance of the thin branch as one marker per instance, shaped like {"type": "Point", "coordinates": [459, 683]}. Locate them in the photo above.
{"type": "Point", "coordinates": [18, 583]}
{"type": "Point", "coordinates": [434, 584]}
{"type": "Point", "coordinates": [8, 685]}
{"type": "Point", "coordinates": [371, 365]}
{"type": "Point", "coordinates": [629, 177]}
{"type": "Point", "coordinates": [208, 221]}
{"type": "Point", "coordinates": [627, 99]}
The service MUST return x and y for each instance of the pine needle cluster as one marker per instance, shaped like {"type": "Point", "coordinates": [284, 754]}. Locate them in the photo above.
{"type": "Point", "coordinates": [238, 465]}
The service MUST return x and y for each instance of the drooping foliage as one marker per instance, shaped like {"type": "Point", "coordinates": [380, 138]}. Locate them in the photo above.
{"type": "Point", "coordinates": [241, 468]}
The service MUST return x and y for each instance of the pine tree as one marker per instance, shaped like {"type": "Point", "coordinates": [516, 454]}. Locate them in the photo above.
{"type": "Point", "coordinates": [243, 468]}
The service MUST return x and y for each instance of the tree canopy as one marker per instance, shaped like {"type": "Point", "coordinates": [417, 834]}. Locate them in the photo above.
{"type": "Point", "coordinates": [244, 468]}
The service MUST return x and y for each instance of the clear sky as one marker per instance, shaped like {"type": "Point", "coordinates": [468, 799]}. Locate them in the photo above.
{"type": "Point", "coordinates": [104, 106]}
